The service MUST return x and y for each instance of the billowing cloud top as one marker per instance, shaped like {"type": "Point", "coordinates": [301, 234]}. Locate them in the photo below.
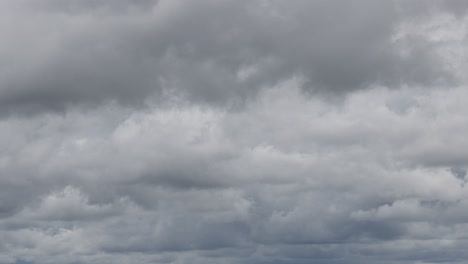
{"type": "Point", "coordinates": [233, 131]}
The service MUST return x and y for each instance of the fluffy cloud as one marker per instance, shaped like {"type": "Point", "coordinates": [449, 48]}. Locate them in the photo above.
{"type": "Point", "coordinates": [233, 132]}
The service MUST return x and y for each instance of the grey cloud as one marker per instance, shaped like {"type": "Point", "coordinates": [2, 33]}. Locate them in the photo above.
{"type": "Point", "coordinates": [135, 153]}
{"type": "Point", "coordinates": [424, 8]}
{"type": "Point", "coordinates": [73, 6]}
{"type": "Point", "coordinates": [208, 51]}
{"type": "Point", "coordinates": [460, 173]}
{"type": "Point", "coordinates": [181, 184]}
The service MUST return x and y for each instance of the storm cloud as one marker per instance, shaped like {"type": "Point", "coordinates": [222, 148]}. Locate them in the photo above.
{"type": "Point", "coordinates": [222, 131]}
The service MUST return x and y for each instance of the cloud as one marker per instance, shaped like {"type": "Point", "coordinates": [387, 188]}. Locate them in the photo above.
{"type": "Point", "coordinates": [205, 183]}
{"type": "Point", "coordinates": [233, 132]}
{"type": "Point", "coordinates": [214, 52]}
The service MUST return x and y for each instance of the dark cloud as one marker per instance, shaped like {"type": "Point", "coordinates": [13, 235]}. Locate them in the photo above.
{"type": "Point", "coordinates": [460, 173]}
{"type": "Point", "coordinates": [122, 139]}
{"type": "Point", "coordinates": [208, 51]}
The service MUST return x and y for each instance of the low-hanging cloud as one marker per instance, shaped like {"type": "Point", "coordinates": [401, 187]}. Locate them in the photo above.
{"type": "Point", "coordinates": [208, 132]}
{"type": "Point", "coordinates": [61, 53]}
{"type": "Point", "coordinates": [111, 182]}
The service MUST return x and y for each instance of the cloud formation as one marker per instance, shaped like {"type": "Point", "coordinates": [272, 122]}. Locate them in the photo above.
{"type": "Point", "coordinates": [216, 52]}
{"type": "Point", "coordinates": [233, 132]}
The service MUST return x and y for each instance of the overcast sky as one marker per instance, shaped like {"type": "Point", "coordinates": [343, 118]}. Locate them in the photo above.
{"type": "Point", "coordinates": [233, 131]}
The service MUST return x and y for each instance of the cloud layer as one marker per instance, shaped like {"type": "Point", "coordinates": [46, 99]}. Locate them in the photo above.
{"type": "Point", "coordinates": [233, 132]}
{"type": "Point", "coordinates": [58, 53]}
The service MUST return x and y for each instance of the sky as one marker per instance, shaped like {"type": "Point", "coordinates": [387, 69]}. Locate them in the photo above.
{"type": "Point", "coordinates": [233, 131]}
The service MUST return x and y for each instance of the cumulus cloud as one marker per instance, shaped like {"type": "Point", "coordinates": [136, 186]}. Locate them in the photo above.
{"type": "Point", "coordinates": [233, 132]}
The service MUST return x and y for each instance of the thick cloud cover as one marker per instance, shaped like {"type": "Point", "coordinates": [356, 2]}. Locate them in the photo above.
{"type": "Point", "coordinates": [61, 52]}
{"type": "Point", "coordinates": [222, 131]}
